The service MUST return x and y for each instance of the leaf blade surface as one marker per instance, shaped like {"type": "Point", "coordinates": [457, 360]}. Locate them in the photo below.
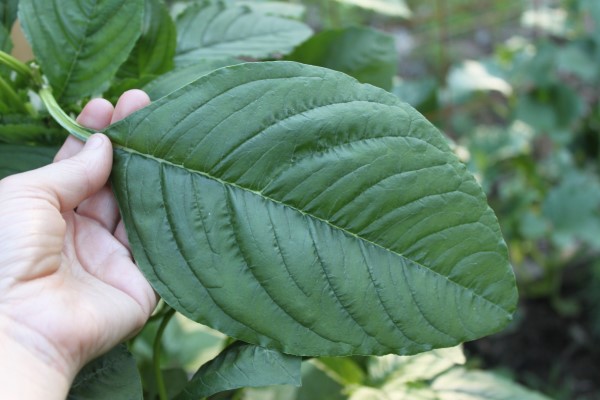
{"type": "Point", "coordinates": [293, 208]}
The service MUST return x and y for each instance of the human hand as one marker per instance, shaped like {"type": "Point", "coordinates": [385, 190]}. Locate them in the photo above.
{"type": "Point", "coordinates": [69, 289]}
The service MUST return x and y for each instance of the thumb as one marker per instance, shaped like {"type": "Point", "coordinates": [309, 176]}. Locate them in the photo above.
{"type": "Point", "coordinates": [68, 182]}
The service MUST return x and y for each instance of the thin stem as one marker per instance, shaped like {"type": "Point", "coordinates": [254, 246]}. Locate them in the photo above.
{"type": "Point", "coordinates": [160, 382]}
{"type": "Point", "coordinates": [61, 117]}
{"type": "Point", "coordinates": [15, 65]}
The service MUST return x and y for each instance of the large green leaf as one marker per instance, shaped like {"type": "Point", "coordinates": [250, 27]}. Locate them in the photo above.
{"type": "Point", "coordinates": [243, 365]}
{"type": "Point", "coordinates": [80, 44]}
{"type": "Point", "coordinates": [154, 52]}
{"type": "Point", "coordinates": [16, 158]}
{"type": "Point", "coordinates": [216, 29]}
{"type": "Point", "coordinates": [364, 53]}
{"type": "Point", "coordinates": [113, 376]}
{"type": "Point", "coordinates": [291, 207]}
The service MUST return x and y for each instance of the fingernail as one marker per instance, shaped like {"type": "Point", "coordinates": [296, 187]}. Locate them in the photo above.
{"type": "Point", "coordinates": [94, 142]}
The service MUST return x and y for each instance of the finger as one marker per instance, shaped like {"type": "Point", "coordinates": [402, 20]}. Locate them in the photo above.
{"type": "Point", "coordinates": [68, 182]}
{"type": "Point", "coordinates": [121, 235]}
{"type": "Point", "coordinates": [129, 102]}
{"type": "Point", "coordinates": [96, 115]}
{"type": "Point", "coordinates": [70, 147]}
{"type": "Point", "coordinates": [101, 207]}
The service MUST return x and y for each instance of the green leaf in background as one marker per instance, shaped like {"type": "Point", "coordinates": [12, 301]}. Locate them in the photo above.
{"type": "Point", "coordinates": [181, 76]}
{"type": "Point", "coordinates": [69, 39]}
{"type": "Point", "coordinates": [243, 365]}
{"type": "Point", "coordinates": [22, 129]}
{"type": "Point", "coordinates": [364, 53]}
{"type": "Point", "coordinates": [155, 49]}
{"type": "Point", "coordinates": [422, 94]}
{"type": "Point", "coordinates": [113, 376]}
{"type": "Point", "coordinates": [573, 208]}
{"type": "Point", "coordinates": [291, 207]}
{"type": "Point", "coordinates": [16, 158]}
{"type": "Point", "coordinates": [217, 29]}
{"type": "Point", "coordinates": [394, 8]}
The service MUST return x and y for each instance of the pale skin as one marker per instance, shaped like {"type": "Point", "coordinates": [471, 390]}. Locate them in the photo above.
{"type": "Point", "coordinates": [69, 288]}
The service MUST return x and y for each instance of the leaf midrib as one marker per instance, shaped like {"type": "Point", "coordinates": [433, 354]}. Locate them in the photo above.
{"type": "Point", "coordinates": [296, 209]}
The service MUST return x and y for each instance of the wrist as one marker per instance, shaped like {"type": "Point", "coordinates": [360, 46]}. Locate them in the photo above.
{"type": "Point", "coordinates": [28, 371]}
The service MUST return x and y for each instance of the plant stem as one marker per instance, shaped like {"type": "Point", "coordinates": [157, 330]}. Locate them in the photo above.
{"type": "Point", "coordinates": [61, 117]}
{"type": "Point", "coordinates": [16, 65]}
{"type": "Point", "coordinates": [160, 382]}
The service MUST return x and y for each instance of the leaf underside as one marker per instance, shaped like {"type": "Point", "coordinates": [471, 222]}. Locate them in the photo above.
{"type": "Point", "coordinates": [291, 207]}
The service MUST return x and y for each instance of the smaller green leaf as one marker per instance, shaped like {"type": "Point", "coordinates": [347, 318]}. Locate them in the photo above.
{"type": "Point", "coordinates": [216, 29]}
{"type": "Point", "coordinates": [15, 158]}
{"type": "Point", "coordinates": [155, 49]}
{"type": "Point", "coordinates": [363, 53]}
{"type": "Point", "coordinates": [80, 44]}
{"type": "Point", "coordinates": [242, 365]}
{"type": "Point", "coordinates": [181, 76]}
{"type": "Point", "coordinates": [113, 376]}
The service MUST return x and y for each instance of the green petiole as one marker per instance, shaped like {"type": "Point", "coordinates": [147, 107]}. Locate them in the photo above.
{"type": "Point", "coordinates": [17, 66]}
{"type": "Point", "coordinates": [61, 117]}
